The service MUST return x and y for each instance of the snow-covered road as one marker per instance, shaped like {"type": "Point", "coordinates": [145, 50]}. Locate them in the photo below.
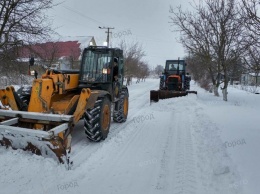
{"type": "Point", "coordinates": [175, 146]}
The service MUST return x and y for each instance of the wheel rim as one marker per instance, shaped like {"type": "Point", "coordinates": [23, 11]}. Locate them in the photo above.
{"type": "Point", "coordinates": [106, 117]}
{"type": "Point", "coordinates": [125, 106]}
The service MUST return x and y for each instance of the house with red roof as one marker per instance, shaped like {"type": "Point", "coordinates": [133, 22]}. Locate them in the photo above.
{"type": "Point", "coordinates": [66, 51]}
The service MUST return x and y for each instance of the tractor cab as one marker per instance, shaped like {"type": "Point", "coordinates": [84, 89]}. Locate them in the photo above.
{"type": "Point", "coordinates": [175, 67]}
{"type": "Point", "coordinates": [174, 75]}
{"type": "Point", "coordinates": [100, 66]}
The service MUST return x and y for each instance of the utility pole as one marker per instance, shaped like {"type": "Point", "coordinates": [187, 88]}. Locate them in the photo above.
{"type": "Point", "coordinates": [108, 33]}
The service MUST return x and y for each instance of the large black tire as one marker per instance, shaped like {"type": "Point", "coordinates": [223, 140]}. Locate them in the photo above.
{"type": "Point", "coordinates": [187, 83]}
{"type": "Point", "coordinates": [21, 102]}
{"type": "Point", "coordinates": [161, 83]}
{"type": "Point", "coordinates": [121, 108]}
{"type": "Point", "coordinates": [97, 120]}
{"type": "Point", "coordinates": [22, 97]}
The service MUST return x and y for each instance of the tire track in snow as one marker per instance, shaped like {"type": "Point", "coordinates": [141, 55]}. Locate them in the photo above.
{"type": "Point", "coordinates": [185, 169]}
{"type": "Point", "coordinates": [122, 158]}
{"type": "Point", "coordinates": [178, 170]}
{"type": "Point", "coordinates": [201, 164]}
{"type": "Point", "coordinates": [82, 148]}
{"type": "Point", "coordinates": [217, 171]}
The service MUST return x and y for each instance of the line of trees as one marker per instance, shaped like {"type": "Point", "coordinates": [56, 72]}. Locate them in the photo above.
{"type": "Point", "coordinates": [221, 39]}
{"type": "Point", "coordinates": [158, 69]}
{"type": "Point", "coordinates": [135, 66]}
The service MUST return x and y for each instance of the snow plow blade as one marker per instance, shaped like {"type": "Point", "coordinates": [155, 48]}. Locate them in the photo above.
{"type": "Point", "coordinates": [155, 95]}
{"type": "Point", "coordinates": [16, 132]}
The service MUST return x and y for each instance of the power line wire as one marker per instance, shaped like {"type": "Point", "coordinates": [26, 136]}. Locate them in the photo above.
{"type": "Point", "coordinates": [99, 22]}
{"type": "Point", "coordinates": [83, 15]}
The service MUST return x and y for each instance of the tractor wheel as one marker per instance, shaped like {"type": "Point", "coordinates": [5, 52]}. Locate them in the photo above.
{"type": "Point", "coordinates": [161, 83]}
{"type": "Point", "coordinates": [121, 108]}
{"type": "Point", "coordinates": [187, 84]}
{"type": "Point", "coordinates": [97, 120]}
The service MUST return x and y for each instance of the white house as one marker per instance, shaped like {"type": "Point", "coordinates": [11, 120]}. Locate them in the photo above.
{"type": "Point", "coordinates": [250, 79]}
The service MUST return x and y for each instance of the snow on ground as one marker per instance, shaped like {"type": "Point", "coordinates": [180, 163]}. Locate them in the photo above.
{"type": "Point", "coordinates": [196, 144]}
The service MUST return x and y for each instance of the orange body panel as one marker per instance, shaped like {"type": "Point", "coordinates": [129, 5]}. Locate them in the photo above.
{"type": "Point", "coordinates": [175, 76]}
{"type": "Point", "coordinates": [62, 82]}
{"type": "Point", "coordinates": [3, 97]}
{"type": "Point", "coordinates": [64, 105]}
{"type": "Point", "coordinates": [82, 103]}
{"type": "Point", "coordinates": [55, 93]}
{"type": "Point", "coordinates": [42, 91]}
{"type": "Point", "coordinates": [7, 98]}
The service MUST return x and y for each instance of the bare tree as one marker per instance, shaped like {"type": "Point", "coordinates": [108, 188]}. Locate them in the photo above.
{"type": "Point", "coordinates": [236, 69]}
{"type": "Point", "coordinates": [251, 58]}
{"type": "Point", "coordinates": [195, 37]}
{"type": "Point", "coordinates": [251, 16]}
{"type": "Point", "coordinates": [214, 32]}
{"type": "Point", "coordinates": [143, 70]}
{"type": "Point", "coordinates": [133, 54]}
{"type": "Point", "coordinates": [196, 67]}
{"type": "Point", "coordinates": [158, 69]}
{"type": "Point", "coordinates": [22, 21]}
{"type": "Point", "coordinates": [252, 62]}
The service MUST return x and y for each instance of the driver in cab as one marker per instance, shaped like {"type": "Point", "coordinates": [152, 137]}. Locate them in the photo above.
{"type": "Point", "coordinates": [115, 70]}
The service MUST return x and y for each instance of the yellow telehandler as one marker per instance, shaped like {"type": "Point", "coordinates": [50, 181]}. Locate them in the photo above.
{"type": "Point", "coordinates": [42, 119]}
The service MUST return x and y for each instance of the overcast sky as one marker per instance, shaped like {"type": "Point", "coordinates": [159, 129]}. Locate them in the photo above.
{"type": "Point", "coordinates": [147, 20]}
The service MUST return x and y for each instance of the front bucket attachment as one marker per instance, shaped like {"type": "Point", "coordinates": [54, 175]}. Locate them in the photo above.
{"type": "Point", "coordinates": [192, 92]}
{"type": "Point", "coordinates": [16, 132]}
{"type": "Point", "coordinates": [155, 95]}
{"type": "Point", "coordinates": [164, 94]}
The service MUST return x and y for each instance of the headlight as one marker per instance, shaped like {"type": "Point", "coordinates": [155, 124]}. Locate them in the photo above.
{"type": "Point", "coordinates": [32, 72]}
{"type": "Point", "coordinates": [106, 71]}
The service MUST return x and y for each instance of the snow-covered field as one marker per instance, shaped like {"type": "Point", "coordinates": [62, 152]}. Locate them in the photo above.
{"type": "Point", "coordinates": [187, 145]}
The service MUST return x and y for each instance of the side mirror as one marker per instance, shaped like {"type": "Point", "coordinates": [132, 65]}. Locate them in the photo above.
{"type": "Point", "coordinates": [31, 61]}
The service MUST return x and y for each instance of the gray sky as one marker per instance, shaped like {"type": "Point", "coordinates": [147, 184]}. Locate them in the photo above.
{"type": "Point", "coordinates": [147, 20]}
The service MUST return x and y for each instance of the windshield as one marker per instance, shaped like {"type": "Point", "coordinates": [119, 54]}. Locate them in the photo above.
{"type": "Point", "coordinates": [174, 66]}
{"type": "Point", "coordinates": [96, 66]}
